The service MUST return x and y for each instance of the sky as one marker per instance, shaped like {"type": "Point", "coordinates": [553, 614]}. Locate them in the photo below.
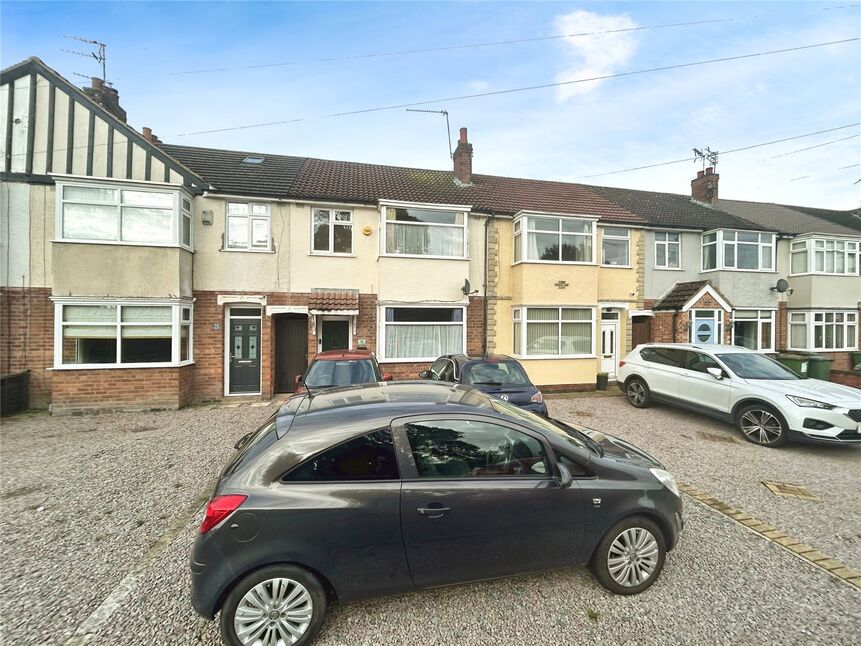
{"type": "Point", "coordinates": [567, 132]}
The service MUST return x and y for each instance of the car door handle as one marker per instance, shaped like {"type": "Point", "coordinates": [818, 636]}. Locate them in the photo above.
{"type": "Point", "coordinates": [434, 512]}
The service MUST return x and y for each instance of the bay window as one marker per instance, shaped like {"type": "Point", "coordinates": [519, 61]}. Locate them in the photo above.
{"type": "Point", "coordinates": [122, 334]}
{"type": "Point", "coordinates": [823, 330]}
{"type": "Point", "coordinates": [668, 250]}
{"type": "Point", "coordinates": [741, 250]}
{"type": "Point", "coordinates": [418, 231]}
{"type": "Point", "coordinates": [554, 331]}
{"type": "Point", "coordinates": [615, 247]}
{"type": "Point", "coordinates": [753, 329]}
{"type": "Point", "coordinates": [417, 333]}
{"type": "Point", "coordinates": [826, 256]}
{"type": "Point", "coordinates": [248, 227]}
{"type": "Point", "coordinates": [124, 215]}
{"type": "Point", "coordinates": [331, 231]}
{"type": "Point", "coordinates": [539, 238]}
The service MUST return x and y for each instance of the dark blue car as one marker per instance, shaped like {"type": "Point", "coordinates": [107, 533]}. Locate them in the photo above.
{"type": "Point", "coordinates": [497, 375]}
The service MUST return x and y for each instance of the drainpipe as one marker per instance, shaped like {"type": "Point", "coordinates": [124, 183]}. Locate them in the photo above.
{"type": "Point", "coordinates": [486, 225]}
{"type": "Point", "coordinates": [675, 315]}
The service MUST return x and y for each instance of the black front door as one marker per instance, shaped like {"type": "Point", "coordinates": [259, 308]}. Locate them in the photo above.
{"type": "Point", "coordinates": [335, 335]}
{"type": "Point", "coordinates": [291, 351]}
{"type": "Point", "coordinates": [244, 356]}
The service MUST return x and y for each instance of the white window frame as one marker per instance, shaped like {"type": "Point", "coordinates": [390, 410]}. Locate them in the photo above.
{"type": "Point", "coordinates": [816, 245]}
{"type": "Point", "coordinates": [178, 196]}
{"type": "Point", "coordinates": [520, 315]}
{"type": "Point", "coordinates": [798, 247]}
{"type": "Point", "coordinates": [666, 242]}
{"type": "Point", "coordinates": [725, 237]}
{"type": "Point", "coordinates": [522, 231]}
{"type": "Point", "coordinates": [808, 319]}
{"type": "Point", "coordinates": [763, 316]}
{"type": "Point", "coordinates": [251, 219]}
{"type": "Point", "coordinates": [177, 308]}
{"type": "Point", "coordinates": [612, 236]}
{"type": "Point", "coordinates": [332, 223]}
{"type": "Point", "coordinates": [382, 324]}
{"type": "Point", "coordinates": [386, 204]}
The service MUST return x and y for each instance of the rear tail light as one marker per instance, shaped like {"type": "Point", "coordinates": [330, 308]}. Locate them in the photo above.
{"type": "Point", "coordinates": [537, 398]}
{"type": "Point", "coordinates": [621, 363]}
{"type": "Point", "coordinates": [220, 508]}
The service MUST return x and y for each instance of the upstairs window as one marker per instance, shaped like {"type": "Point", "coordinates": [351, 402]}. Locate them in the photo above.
{"type": "Point", "coordinates": [90, 213]}
{"type": "Point", "coordinates": [553, 239]}
{"type": "Point", "coordinates": [740, 250]}
{"type": "Point", "coordinates": [668, 250]}
{"type": "Point", "coordinates": [248, 226]}
{"type": "Point", "coordinates": [332, 231]}
{"type": "Point", "coordinates": [829, 256]}
{"type": "Point", "coordinates": [416, 231]}
{"type": "Point", "coordinates": [615, 247]}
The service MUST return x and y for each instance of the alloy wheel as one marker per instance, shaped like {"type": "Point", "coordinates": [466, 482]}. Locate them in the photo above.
{"type": "Point", "coordinates": [633, 557]}
{"type": "Point", "coordinates": [761, 426]}
{"type": "Point", "coordinates": [636, 393]}
{"type": "Point", "coordinates": [275, 612]}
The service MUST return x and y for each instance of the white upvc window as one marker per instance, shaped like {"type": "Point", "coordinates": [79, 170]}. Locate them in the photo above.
{"type": "Point", "coordinates": [421, 332]}
{"type": "Point", "coordinates": [113, 334]}
{"type": "Point", "coordinates": [753, 329]}
{"type": "Point", "coordinates": [554, 239]}
{"type": "Point", "coordinates": [331, 231]}
{"type": "Point", "coordinates": [831, 256]}
{"type": "Point", "coordinates": [799, 257]}
{"type": "Point", "coordinates": [248, 227]}
{"type": "Point", "coordinates": [823, 330]}
{"type": "Point", "coordinates": [668, 250]}
{"type": "Point", "coordinates": [424, 231]}
{"type": "Point", "coordinates": [554, 332]}
{"type": "Point", "coordinates": [738, 250]}
{"type": "Point", "coordinates": [615, 247]}
{"type": "Point", "coordinates": [123, 214]}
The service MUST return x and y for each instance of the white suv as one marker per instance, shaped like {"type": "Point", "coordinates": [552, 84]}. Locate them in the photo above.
{"type": "Point", "coordinates": [767, 402]}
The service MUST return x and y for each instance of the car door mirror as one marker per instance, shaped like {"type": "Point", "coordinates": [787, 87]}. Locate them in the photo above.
{"type": "Point", "coordinates": [564, 479]}
{"type": "Point", "coordinates": [424, 374]}
{"type": "Point", "coordinates": [298, 380]}
{"type": "Point", "coordinates": [717, 373]}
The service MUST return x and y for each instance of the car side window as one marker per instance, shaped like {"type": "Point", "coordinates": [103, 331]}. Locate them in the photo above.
{"type": "Point", "coordinates": [447, 373]}
{"type": "Point", "coordinates": [663, 356]}
{"type": "Point", "coordinates": [575, 468]}
{"type": "Point", "coordinates": [368, 457]}
{"type": "Point", "coordinates": [699, 362]}
{"type": "Point", "coordinates": [438, 367]}
{"type": "Point", "coordinates": [474, 448]}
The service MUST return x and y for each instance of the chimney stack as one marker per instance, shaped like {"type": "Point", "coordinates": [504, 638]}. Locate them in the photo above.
{"type": "Point", "coordinates": [704, 187]}
{"type": "Point", "coordinates": [105, 96]}
{"type": "Point", "coordinates": [463, 161]}
{"type": "Point", "coordinates": [149, 136]}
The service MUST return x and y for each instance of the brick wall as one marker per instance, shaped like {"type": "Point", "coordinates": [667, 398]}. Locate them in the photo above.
{"type": "Point", "coordinates": [120, 389]}
{"type": "Point", "coordinates": [847, 378]}
{"type": "Point", "coordinates": [781, 333]}
{"type": "Point", "coordinates": [27, 338]}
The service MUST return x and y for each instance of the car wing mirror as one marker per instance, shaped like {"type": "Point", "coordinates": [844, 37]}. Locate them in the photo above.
{"type": "Point", "coordinates": [564, 479]}
{"type": "Point", "coordinates": [298, 380]}
{"type": "Point", "coordinates": [387, 376]}
{"type": "Point", "coordinates": [424, 374]}
{"type": "Point", "coordinates": [717, 373]}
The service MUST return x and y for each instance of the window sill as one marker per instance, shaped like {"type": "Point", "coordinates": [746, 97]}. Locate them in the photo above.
{"type": "Point", "coordinates": [419, 360]}
{"type": "Point", "coordinates": [821, 351]}
{"type": "Point", "coordinates": [121, 243]}
{"type": "Point", "coordinates": [822, 273]}
{"type": "Point", "coordinates": [545, 357]}
{"type": "Point", "coordinates": [744, 271]}
{"type": "Point", "coordinates": [421, 256]}
{"type": "Point", "coordinates": [247, 250]}
{"type": "Point", "coordinates": [122, 366]}
{"type": "Point", "coordinates": [326, 254]}
{"type": "Point", "coordinates": [603, 266]}
{"type": "Point", "coordinates": [556, 262]}
{"type": "Point", "coordinates": [669, 269]}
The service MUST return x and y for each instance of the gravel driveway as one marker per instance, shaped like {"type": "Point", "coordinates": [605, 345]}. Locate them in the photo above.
{"type": "Point", "coordinates": [85, 498]}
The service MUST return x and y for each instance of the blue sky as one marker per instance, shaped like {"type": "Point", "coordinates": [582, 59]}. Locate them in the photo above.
{"type": "Point", "coordinates": [557, 133]}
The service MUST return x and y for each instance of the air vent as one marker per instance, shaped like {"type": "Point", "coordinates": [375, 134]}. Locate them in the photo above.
{"type": "Point", "coordinates": [253, 159]}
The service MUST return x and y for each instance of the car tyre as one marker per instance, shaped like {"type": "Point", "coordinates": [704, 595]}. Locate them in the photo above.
{"type": "Point", "coordinates": [631, 556]}
{"type": "Point", "coordinates": [283, 598]}
{"type": "Point", "coordinates": [637, 393]}
{"type": "Point", "coordinates": [762, 424]}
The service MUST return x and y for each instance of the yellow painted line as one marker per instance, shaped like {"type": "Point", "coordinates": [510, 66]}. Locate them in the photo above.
{"type": "Point", "coordinates": [773, 535]}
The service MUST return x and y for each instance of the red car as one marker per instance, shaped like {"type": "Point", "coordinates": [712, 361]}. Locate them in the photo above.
{"type": "Point", "coordinates": [341, 368]}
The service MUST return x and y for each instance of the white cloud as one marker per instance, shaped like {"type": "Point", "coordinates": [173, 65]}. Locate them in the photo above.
{"type": "Point", "coordinates": [590, 56]}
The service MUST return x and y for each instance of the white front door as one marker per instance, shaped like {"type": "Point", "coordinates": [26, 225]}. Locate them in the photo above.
{"type": "Point", "coordinates": [609, 344]}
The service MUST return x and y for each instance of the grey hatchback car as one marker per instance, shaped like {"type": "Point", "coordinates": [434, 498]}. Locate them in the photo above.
{"type": "Point", "coordinates": [382, 488]}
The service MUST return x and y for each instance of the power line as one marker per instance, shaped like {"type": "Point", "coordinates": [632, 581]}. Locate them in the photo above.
{"type": "Point", "coordinates": [727, 152]}
{"type": "Point", "coordinates": [523, 89]}
{"type": "Point", "coordinates": [493, 43]}
{"type": "Point", "coordinates": [827, 143]}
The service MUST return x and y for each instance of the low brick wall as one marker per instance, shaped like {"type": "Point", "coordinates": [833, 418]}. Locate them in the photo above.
{"type": "Point", "coordinates": [847, 378]}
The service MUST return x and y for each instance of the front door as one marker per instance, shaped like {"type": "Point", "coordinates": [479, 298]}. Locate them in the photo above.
{"type": "Point", "coordinates": [706, 327]}
{"type": "Point", "coordinates": [609, 340]}
{"type": "Point", "coordinates": [291, 350]}
{"type": "Point", "coordinates": [334, 335]}
{"type": "Point", "coordinates": [244, 356]}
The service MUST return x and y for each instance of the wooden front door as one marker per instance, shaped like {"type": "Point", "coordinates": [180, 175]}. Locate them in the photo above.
{"type": "Point", "coordinates": [641, 330]}
{"type": "Point", "coordinates": [291, 351]}
{"type": "Point", "coordinates": [244, 356]}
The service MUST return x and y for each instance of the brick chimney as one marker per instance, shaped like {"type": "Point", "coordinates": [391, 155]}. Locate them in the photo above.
{"type": "Point", "coordinates": [463, 161]}
{"type": "Point", "coordinates": [106, 96]}
{"type": "Point", "coordinates": [704, 187]}
{"type": "Point", "coordinates": [149, 136]}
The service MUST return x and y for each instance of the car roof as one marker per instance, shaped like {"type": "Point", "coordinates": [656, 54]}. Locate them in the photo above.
{"type": "Point", "coordinates": [334, 355]}
{"type": "Point", "coordinates": [706, 347]}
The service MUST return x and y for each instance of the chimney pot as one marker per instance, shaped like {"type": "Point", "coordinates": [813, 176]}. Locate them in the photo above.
{"type": "Point", "coordinates": [700, 173]}
{"type": "Point", "coordinates": [463, 138]}
{"type": "Point", "coordinates": [97, 83]}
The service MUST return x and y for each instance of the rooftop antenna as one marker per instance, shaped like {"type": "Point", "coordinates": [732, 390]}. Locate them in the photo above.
{"type": "Point", "coordinates": [447, 125]}
{"type": "Point", "coordinates": [100, 56]}
{"type": "Point", "coordinates": [707, 155]}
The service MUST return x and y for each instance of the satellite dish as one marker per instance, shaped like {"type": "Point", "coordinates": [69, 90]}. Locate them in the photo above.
{"type": "Point", "coordinates": [782, 286]}
{"type": "Point", "coordinates": [467, 287]}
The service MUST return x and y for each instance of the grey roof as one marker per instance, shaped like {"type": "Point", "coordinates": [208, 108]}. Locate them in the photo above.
{"type": "Point", "coordinates": [674, 210]}
{"type": "Point", "coordinates": [679, 295]}
{"type": "Point", "coordinates": [793, 219]}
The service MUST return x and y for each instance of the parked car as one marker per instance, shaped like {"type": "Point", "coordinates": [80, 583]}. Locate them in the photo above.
{"type": "Point", "coordinates": [497, 375]}
{"type": "Point", "coordinates": [341, 368]}
{"type": "Point", "coordinates": [384, 488]}
{"type": "Point", "coordinates": [767, 402]}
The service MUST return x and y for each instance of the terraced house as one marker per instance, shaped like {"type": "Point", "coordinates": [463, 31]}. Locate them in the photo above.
{"type": "Point", "coordinates": [138, 274]}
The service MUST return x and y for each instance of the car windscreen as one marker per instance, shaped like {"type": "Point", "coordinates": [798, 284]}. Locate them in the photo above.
{"type": "Point", "coordinates": [756, 366]}
{"type": "Point", "coordinates": [495, 373]}
{"type": "Point", "coordinates": [323, 374]}
{"type": "Point", "coordinates": [520, 415]}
